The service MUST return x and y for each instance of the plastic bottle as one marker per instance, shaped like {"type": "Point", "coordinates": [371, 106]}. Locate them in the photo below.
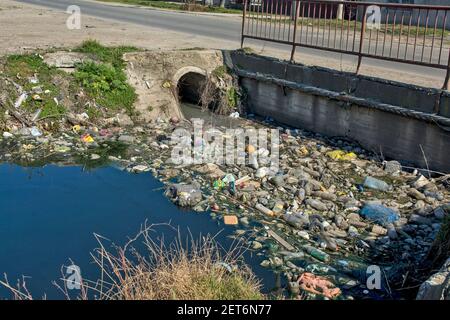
{"type": "Point", "coordinates": [316, 253]}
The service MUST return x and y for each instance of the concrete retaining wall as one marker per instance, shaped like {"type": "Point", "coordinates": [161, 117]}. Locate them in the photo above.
{"type": "Point", "coordinates": [383, 116]}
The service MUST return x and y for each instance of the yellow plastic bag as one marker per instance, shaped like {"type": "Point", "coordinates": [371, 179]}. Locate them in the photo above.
{"type": "Point", "coordinates": [87, 138]}
{"type": "Point", "coordinates": [341, 155]}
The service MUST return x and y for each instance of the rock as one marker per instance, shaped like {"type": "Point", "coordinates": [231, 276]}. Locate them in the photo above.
{"type": "Point", "coordinates": [65, 59]}
{"type": "Point", "coordinates": [391, 232]}
{"type": "Point", "coordinates": [261, 172]}
{"type": "Point", "coordinates": [437, 287]}
{"type": "Point", "coordinates": [278, 181]}
{"type": "Point", "coordinates": [256, 245]}
{"type": "Point", "coordinates": [126, 139]}
{"type": "Point", "coordinates": [24, 132]}
{"type": "Point", "coordinates": [185, 195]}
{"type": "Point", "coordinates": [420, 182]}
{"type": "Point", "coordinates": [440, 213]}
{"type": "Point", "coordinates": [379, 230]}
{"type": "Point", "coordinates": [324, 195]}
{"type": "Point", "coordinates": [211, 170]}
{"type": "Point", "coordinates": [316, 204]}
{"type": "Point", "coordinates": [174, 120]}
{"type": "Point", "coordinates": [244, 221]}
{"type": "Point", "coordinates": [392, 167]}
{"type": "Point", "coordinates": [94, 156]}
{"type": "Point", "coordinates": [415, 218]}
{"type": "Point", "coordinates": [124, 120]}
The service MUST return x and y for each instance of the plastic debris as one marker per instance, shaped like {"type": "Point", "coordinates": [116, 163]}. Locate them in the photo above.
{"type": "Point", "coordinates": [234, 115]}
{"type": "Point", "coordinates": [87, 138]}
{"type": "Point", "coordinates": [76, 128]}
{"type": "Point", "coordinates": [185, 195]}
{"type": "Point", "coordinates": [379, 214]}
{"type": "Point", "coordinates": [20, 100]}
{"type": "Point", "coordinates": [318, 285]}
{"type": "Point", "coordinates": [230, 220]}
{"type": "Point", "coordinates": [264, 210]}
{"type": "Point", "coordinates": [341, 155]}
{"type": "Point", "coordinates": [376, 184]}
{"type": "Point", "coordinates": [280, 240]}
{"type": "Point", "coordinates": [317, 253]}
{"type": "Point", "coordinates": [7, 135]}
{"type": "Point", "coordinates": [35, 132]}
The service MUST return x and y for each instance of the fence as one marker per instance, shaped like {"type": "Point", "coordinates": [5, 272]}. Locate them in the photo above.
{"type": "Point", "coordinates": [414, 34]}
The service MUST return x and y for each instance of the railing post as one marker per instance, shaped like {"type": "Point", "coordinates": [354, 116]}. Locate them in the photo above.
{"type": "Point", "coordinates": [244, 13]}
{"type": "Point", "coordinates": [361, 39]}
{"type": "Point", "coordinates": [294, 36]}
{"type": "Point", "coordinates": [447, 76]}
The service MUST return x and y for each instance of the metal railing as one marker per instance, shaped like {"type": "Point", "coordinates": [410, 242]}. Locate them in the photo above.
{"type": "Point", "coordinates": [414, 34]}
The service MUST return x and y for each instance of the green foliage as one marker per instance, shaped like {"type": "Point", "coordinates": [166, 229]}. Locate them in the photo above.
{"type": "Point", "coordinates": [232, 97]}
{"type": "Point", "coordinates": [110, 55]}
{"type": "Point", "coordinates": [22, 68]}
{"type": "Point", "coordinates": [106, 81]}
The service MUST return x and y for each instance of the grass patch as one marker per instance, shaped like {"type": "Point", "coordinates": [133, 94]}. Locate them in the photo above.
{"type": "Point", "coordinates": [24, 68]}
{"type": "Point", "coordinates": [176, 6]}
{"type": "Point", "coordinates": [183, 269]}
{"type": "Point", "coordinates": [173, 272]}
{"type": "Point", "coordinates": [106, 81]}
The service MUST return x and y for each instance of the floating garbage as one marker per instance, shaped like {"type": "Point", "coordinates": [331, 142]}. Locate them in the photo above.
{"type": "Point", "coordinates": [185, 195]}
{"type": "Point", "coordinates": [317, 253]}
{"type": "Point", "coordinates": [379, 214]}
{"type": "Point", "coordinates": [318, 285]}
{"type": "Point", "coordinates": [230, 220]}
{"type": "Point", "coordinates": [376, 184]}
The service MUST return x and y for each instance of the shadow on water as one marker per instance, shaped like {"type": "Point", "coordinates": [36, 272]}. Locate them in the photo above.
{"type": "Point", "coordinates": [49, 215]}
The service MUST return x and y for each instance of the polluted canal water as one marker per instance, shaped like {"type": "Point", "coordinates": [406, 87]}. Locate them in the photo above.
{"type": "Point", "coordinates": [49, 216]}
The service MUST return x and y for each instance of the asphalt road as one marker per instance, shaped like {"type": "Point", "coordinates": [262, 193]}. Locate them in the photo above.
{"type": "Point", "coordinates": [226, 28]}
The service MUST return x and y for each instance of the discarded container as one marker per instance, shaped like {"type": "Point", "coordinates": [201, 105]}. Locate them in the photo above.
{"type": "Point", "coordinates": [379, 214]}
{"type": "Point", "coordinates": [316, 253]}
{"type": "Point", "coordinates": [297, 220]}
{"type": "Point", "coordinates": [264, 210]}
{"type": "Point", "coordinates": [376, 184]}
{"type": "Point", "coordinates": [230, 220]}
